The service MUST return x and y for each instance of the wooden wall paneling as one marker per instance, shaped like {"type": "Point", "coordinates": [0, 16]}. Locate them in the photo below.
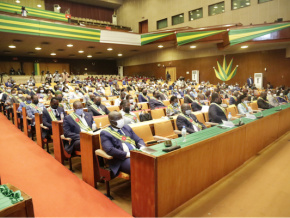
{"type": "Point", "coordinates": [5, 66]}
{"type": "Point", "coordinates": [143, 185]}
{"type": "Point", "coordinates": [249, 63]}
{"type": "Point", "coordinates": [52, 67]}
{"type": "Point", "coordinates": [82, 10]}
{"type": "Point", "coordinates": [28, 67]}
{"type": "Point", "coordinates": [90, 171]}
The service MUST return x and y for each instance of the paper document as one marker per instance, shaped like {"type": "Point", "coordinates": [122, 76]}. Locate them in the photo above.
{"type": "Point", "coordinates": [251, 116]}
{"type": "Point", "coordinates": [147, 150]}
{"type": "Point", "coordinates": [204, 108]}
{"type": "Point", "coordinates": [228, 124]}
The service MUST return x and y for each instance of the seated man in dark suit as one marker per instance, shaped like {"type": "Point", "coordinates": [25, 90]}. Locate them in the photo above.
{"type": "Point", "coordinates": [234, 98]}
{"type": "Point", "coordinates": [188, 120]}
{"type": "Point", "coordinates": [263, 102]}
{"type": "Point", "coordinates": [187, 97]}
{"type": "Point", "coordinates": [74, 123]}
{"type": "Point", "coordinates": [50, 114]}
{"type": "Point", "coordinates": [118, 140]}
{"type": "Point", "coordinates": [97, 108]}
{"type": "Point", "coordinates": [143, 96]}
{"type": "Point", "coordinates": [216, 112]}
{"type": "Point", "coordinates": [196, 105]}
{"type": "Point", "coordinates": [154, 101]}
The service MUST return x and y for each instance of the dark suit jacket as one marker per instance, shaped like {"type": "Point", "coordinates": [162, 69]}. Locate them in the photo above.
{"type": "Point", "coordinates": [182, 121]}
{"type": "Point", "coordinates": [232, 101]}
{"type": "Point", "coordinates": [46, 120]}
{"type": "Point", "coordinates": [187, 100]}
{"type": "Point", "coordinates": [155, 104]}
{"type": "Point", "coordinates": [113, 146]}
{"type": "Point", "coordinates": [72, 130]}
{"type": "Point", "coordinates": [96, 113]}
{"type": "Point", "coordinates": [250, 80]}
{"type": "Point", "coordinates": [216, 114]}
{"type": "Point", "coordinates": [264, 105]}
{"type": "Point", "coordinates": [195, 106]}
{"type": "Point", "coordinates": [142, 99]}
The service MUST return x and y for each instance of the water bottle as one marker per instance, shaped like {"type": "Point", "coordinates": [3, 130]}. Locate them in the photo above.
{"type": "Point", "coordinates": [61, 116]}
{"type": "Point", "coordinates": [100, 125]}
{"type": "Point", "coordinates": [94, 126]}
{"type": "Point", "coordinates": [230, 116]}
{"type": "Point", "coordinates": [183, 133]}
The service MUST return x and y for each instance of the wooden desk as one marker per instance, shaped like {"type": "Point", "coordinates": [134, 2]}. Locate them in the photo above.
{"type": "Point", "coordinates": [15, 107]}
{"type": "Point", "coordinates": [25, 122]}
{"type": "Point", "coordinates": [162, 183]}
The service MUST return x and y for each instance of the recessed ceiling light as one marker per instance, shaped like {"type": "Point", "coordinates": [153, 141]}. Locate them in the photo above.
{"type": "Point", "coordinates": [39, 6]}
{"type": "Point", "coordinates": [81, 51]}
{"type": "Point", "coordinates": [89, 56]}
{"type": "Point", "coordinates": [215, 7]}
{"type": "Point", "coordinates": [37, 48]}
{"type": "Point", "coordinates": [120, 55]}
{"type": "Point", "coordinates": [244, 46]}
{"type": "Point", "coordinates": [17, 1]}
{"type": "Point", "coordinates": [110, 49]}
{"type": "Point", "coordinates": [52, 54]}
{"type": "Point", "coordinates": [160, 46]}
{"type": "Point", "coordinates": [69, 45]}
{"type": "Point", "coordinates": [193, 46]}
{"type": "Point", "coordinates": [12, 46]}
{"type": "Point", "coordinates": [248, 3]}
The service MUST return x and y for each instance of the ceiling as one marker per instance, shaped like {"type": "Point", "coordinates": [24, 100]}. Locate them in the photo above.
{"type": "Point", "coordinates": [25, 47]}
{"type": "Point", "coordinates": [114, 4]}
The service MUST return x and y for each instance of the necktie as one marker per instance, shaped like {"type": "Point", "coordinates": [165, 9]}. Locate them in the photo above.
{"type": "Point", "coordinates": [128, 144]}
{"type": "Point", "coordinates": [56, 113]}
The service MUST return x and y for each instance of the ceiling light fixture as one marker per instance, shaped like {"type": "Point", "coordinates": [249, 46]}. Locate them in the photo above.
{"type": "Point", "coordinates": [120, 55]}
{"type": "Point", "coordinates": [39, 6]}
{"type": "Point", "coordinates": [52, 54]}
{"type": "Point", "coordinates": [193, 46]}
{"type": "Point", "coordinates": [89, 56]}
{"type": "Point", "coordinates": [244, 46]}
{"type": "Point", "coordinates": [81, 51]}
{"type": "Point", "coordinates": [160, 46]}
{"type": "Point", "coordinates": [110, 49]}
{"type": "Point", "coordinates": [17, 1]}
{"type": "Point", "coordinates": [12, 46]}
{"type": "Point", "coordinates": [37, 48]}
{"type": "Point", "coordinates": [69, 45]}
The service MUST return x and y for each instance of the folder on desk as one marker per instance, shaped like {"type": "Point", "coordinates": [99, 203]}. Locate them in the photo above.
{"type": "Point", "coordinates": [251, 116]}
{"type": "Point", "coordinates": [228, 124]}
{"type": "Point", "coordinates": [147, 150]}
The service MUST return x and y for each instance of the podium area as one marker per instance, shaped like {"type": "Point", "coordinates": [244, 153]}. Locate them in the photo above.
{"type": "Point", "coordinates": [55, 191]}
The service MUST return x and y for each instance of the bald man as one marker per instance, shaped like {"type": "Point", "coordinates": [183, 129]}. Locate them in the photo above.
{"type": "Point", "coordinates": [188, 120]}
{"type": "Point", "coordinates": [118, 140]}
{"type": "Point", "coordinates": [97, 108]}
{"type": "Point", "coordinates": [73, 124]}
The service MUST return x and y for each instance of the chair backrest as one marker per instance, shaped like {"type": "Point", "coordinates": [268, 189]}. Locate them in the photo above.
{"type": "Point", "coordinates": [73, 100]}
{"type": "Point", "coordinates": [232, 109]}
{"type": "Point", "coordinates": [112, 97]}
{"type": "Point", "coordinates": [157, 113]}
{"type": "Point", "coordinates": [114, 108]}
{"type": "Point", "coordinates": [206, 116]}
{"type": "Point", "coordinates": [200, 117]}
{"type": "Point", "coordinates": [144, 132]}
{"type": "Point", "coordinates": [144, 105]}
{"type": "Point", "coordinates": [254, 105]}
{"type": "Point", "coordinates": [166, 102]}
{"type": "Point", "coordinates": [226, 101]}
{"type": "Point", "coordinates": [181, 100]}
{"type": "Point", "coordinates": [103, 120]}
{"type": "Point", "coordinates": [165, 129]}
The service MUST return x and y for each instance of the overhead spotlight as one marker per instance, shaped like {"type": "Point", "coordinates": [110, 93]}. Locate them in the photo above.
{"type": "Point", "coordinates": [39, 6]}
{"type": "Point", "coordinates": [160, 46]}
{"type": "Point", "coordinates": [52, 54]}
{"type": "Point", "coordinates": [37, 48]}
{"type": "Point", "coordinates": [12, 46]}
{"type": "Point", "coordinates": [120, 55]}
{"type": "Point", "coordinates": [81, 51]}
{"type": "Point", "coordinates": [89, 56]}
{"type": "Point", "coordinates": [110, 49]}
{"type": "Point", "coordinates": [244, 46]}
{"type": "Point", "coordinates": [193, 46]}
{"type": "Point", "coordinates": [17, 1]}
{"type": "Point", "coordinates": [69, 45]}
